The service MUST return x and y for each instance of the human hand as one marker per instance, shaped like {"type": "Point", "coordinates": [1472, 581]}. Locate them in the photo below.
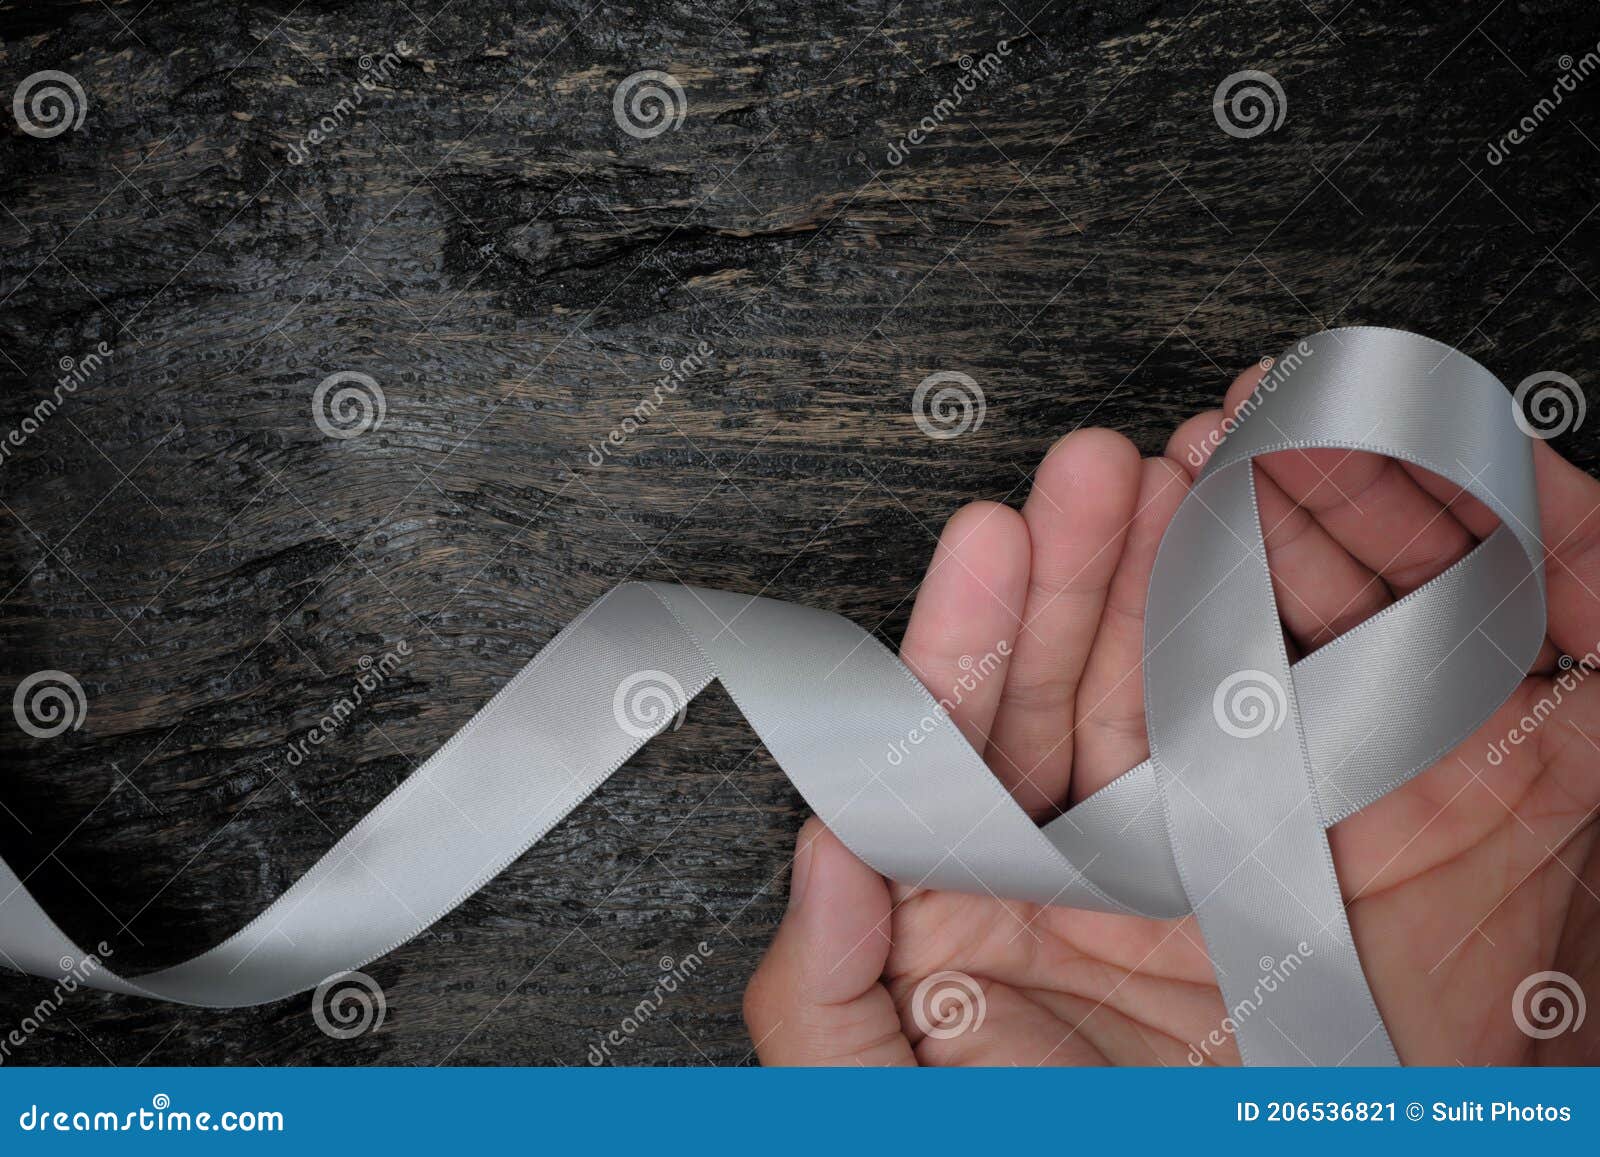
{"type": "Point", "coordinates": [1459, 884]}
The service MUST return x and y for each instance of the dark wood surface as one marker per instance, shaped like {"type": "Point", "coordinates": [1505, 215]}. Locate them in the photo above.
{"type": "Point", "coordinates": [480, 237]}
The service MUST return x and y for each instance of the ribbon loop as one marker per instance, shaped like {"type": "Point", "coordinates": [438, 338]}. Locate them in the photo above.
{"type": "Point", "coordinates": [1245, 791]}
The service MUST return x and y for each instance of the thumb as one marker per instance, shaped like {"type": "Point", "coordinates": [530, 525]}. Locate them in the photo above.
{"type": "Point", "coordinates": [816, 997]}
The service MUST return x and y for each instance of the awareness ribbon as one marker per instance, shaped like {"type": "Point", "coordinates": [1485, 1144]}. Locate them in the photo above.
{"type": "Point", "coordinates": [1252, 757]}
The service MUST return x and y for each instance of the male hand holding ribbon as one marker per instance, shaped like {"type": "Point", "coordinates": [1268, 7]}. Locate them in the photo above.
{"type": "Point", "coordinates": [1460, 885]}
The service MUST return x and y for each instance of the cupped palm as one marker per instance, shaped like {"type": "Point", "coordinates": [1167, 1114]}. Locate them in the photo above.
{"type": "Point", "coordinates": [1460, 885]}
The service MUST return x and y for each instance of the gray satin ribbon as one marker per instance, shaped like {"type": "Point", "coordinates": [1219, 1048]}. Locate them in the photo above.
{"type": "Point", "coordinates": [1252, 757]}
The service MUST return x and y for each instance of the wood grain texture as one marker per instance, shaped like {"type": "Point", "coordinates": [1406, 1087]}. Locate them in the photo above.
{"type": "Point", "coordinates": [481, 238]}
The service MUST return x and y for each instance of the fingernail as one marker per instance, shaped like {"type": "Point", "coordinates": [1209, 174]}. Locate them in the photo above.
{"type": "Point", "coordinates": [800, 875]}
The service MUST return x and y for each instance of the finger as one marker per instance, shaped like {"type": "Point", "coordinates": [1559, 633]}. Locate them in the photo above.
{"type": "Point", "coordinates": [1109, 727]}
{"type": "Point", "coordinates": [1368, 504]}
{"type": "Point", "coordinates": [1568, 502]}
{"type": "Point", "coordinates": [816, 996]}
{"type": "Point", "coordinates": [1569, 513]}
{"type": "Point", "coordinates": [1192, 443]}
{"type": "Point", "coordinates": [1479, 520]}
{"type": "Point", "coordinates": [1078, 513]}
{"type": "Point", "coordinates": [967, 609]}
{"type": "Point", "coordinates": [1321, 590]}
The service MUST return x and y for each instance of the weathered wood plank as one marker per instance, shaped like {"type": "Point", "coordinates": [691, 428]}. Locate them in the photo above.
{"type": "Point", "coordinates": [482, 239]}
